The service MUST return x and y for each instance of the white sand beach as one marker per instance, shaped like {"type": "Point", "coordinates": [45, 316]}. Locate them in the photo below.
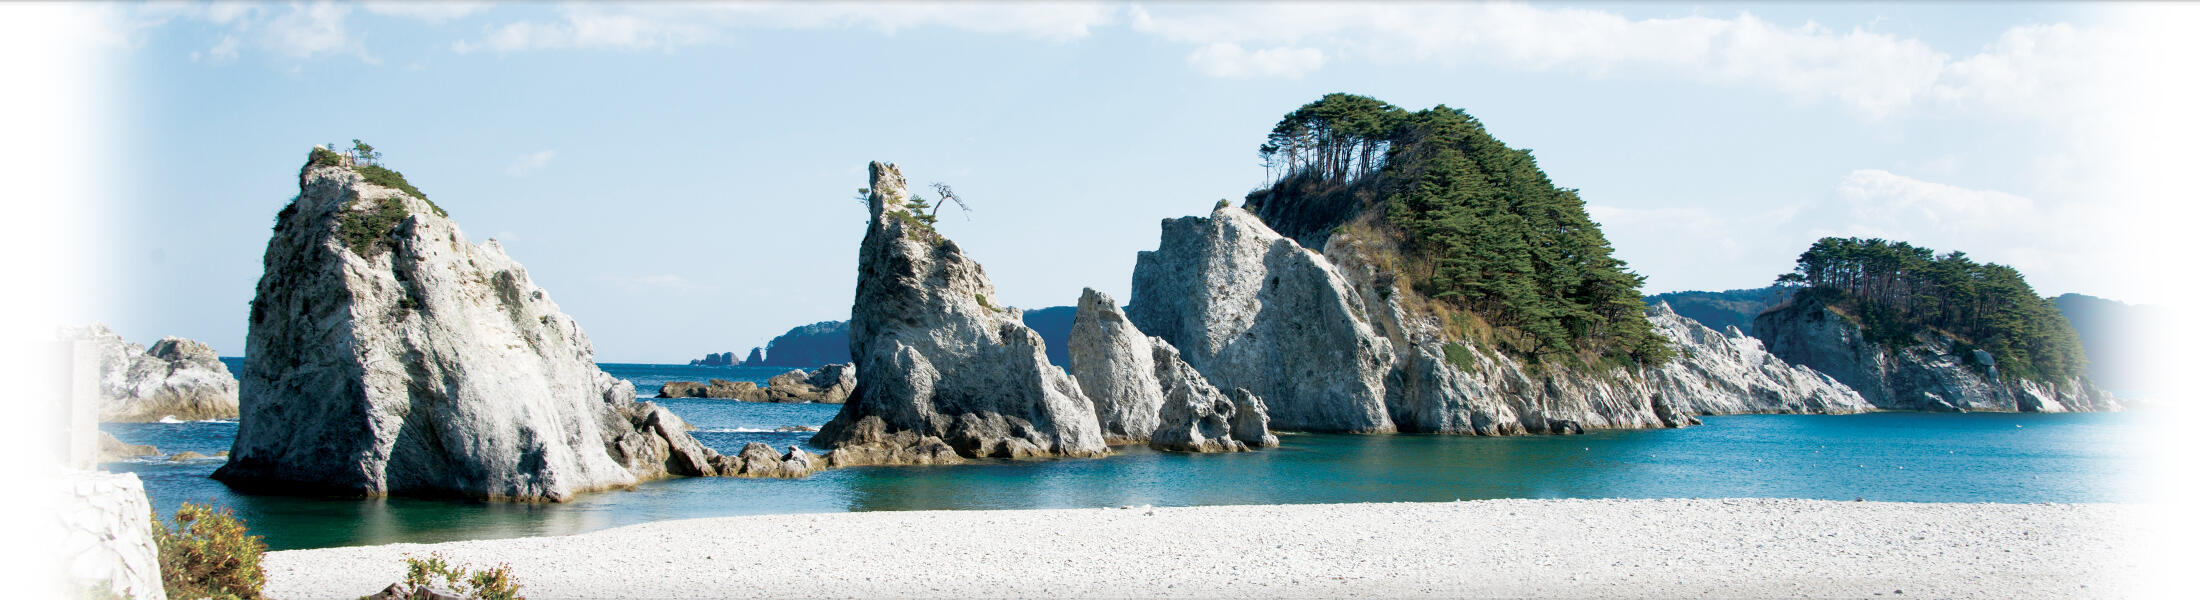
{"type": "Point", "coordinates": [1501, 548]}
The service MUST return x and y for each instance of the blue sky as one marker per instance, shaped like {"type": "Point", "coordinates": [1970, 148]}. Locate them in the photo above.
{"type": "Point", "coordinates": [679, 177]}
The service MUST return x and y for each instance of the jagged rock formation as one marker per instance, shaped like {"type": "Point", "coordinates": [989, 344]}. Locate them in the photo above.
{"type": "Point", "coordinates": [106, 536]}
{"type": "Point", "coordinates": [755, 359]}
{"type": "Point", "coordinates": [175, 377]}
{"type": "Point", "coordinates": [1142, 390]}
{"type": "Point", "coordinates": [1331, 342]}
{"type": "Point", "coordinates": [1726, 373]}
{"type": "Point", "coordinates": [1114, 365]}
{"type": "Point", "coordinates": [1249, 308]}
{"type": "Point", "coordinates": [941, 366]}
{"type": "Point", "coordinates": [1929, 375]}
{"type": "Point", "coordinates": [389, 355]}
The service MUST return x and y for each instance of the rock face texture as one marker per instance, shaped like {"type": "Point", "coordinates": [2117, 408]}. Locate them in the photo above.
{"type": "Point", "coordinates": [1114, 366]}
{"type": "Point", "coordinates": [942, 366]}
{"type": "Point", "coordinates": [107, 535]}
{"type": "Point", "coordinates": [1720, 373]}
{"type": "Point", "coordinates": [176, 377]}
{"type": "Point", "coordinates": [1250, 308]}
{"type": "Point", "coordinates": [1331, 343]}
{"type": "Point", "coordinates": [1143, 391]}
{"type": "Point", "coordinates": [1928, 376]}
{"type": "Point", "coordinates": [389, 355]}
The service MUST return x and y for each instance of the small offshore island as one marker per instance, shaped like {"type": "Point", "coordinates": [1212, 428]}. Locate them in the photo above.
{"type": "Point", "coordinates": [1404, 273]}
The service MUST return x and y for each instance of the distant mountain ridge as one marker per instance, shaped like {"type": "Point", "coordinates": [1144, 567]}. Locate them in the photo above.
{"type": "Point", "coordinates": [2118, 338]}
{"type": "Point", "coordinates": [826, 342]}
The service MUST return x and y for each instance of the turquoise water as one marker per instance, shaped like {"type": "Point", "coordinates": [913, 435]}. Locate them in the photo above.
{"type": "Point", "coordinates": [1908, 457]}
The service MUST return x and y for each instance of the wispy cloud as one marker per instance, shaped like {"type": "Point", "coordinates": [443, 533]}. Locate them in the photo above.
{"type": "Point", "coordinates": [1225, 59]}
{"type": "Point", "coordinates": [526, 164]}
{"type": "Point", "coordinates": [434, 13]}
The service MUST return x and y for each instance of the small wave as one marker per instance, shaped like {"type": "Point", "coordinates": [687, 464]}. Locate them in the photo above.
{"type": "Point", "coordinates": [172, 420]}
{"type": "Point", "coordinates": [736, 430]}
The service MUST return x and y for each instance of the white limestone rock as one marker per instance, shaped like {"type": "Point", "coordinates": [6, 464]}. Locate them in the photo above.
{"type": "Point", "coordinates": [106, 535]}
{"type": "Point", "coordinates": [175, 377]}
{"type": "Point", "coordinates": [1144, 392]}
{"type": "Point", "coordinates": [1929, 376]}
{"type": "Point", "coordinates": [1250, 308]}
{"type": "Point", "coordinates": [424, 364]}
{"type": "Point", "coordinates": [1327, 338]}
{"type": "Point", "coordinates": [1715, 373]}
{"type": "Point", "coordinates": [1114, 366]}
{"type": "Point", "coordinates": [942, 365]}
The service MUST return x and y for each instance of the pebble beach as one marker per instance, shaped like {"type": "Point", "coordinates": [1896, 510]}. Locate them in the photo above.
{"type": "Point", "coordinates": [1500, 548]}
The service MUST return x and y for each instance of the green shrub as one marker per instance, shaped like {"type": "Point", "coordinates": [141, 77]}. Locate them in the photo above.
{"type": "Point", "coordinates": [323, 157]}
{"type": "Point", "coordinates": [361, 229]}
{"type": "Point", "coordinates": [982, 302]}
{"type": "Point", "coordinates": [208, 554]}
{"type": "Point", "coordinates": [377, 175]}
{"type": "Point", "coordinates": [494, 583]}
{"type": "Point", "coordinates": [1459, 355]}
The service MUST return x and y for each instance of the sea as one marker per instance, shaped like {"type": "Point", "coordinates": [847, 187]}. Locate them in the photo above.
{"type": "Point", "coordinates": [1900, 457]}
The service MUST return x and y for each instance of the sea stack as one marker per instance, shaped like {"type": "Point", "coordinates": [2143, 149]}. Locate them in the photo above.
{"type": "Point", "coordinates": [946, 372]}
{"type": "Point", "coordinates": [1143, 392]}
{"type": "Point", "coordinates": [388, 355]}
{"type": "Point", "coordinates": [175, 377]}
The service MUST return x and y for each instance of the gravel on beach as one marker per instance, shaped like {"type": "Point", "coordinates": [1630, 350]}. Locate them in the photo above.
{"type": "Point", "coordinates": [1504, 548]}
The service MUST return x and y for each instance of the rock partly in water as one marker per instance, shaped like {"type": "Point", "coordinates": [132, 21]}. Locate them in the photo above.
{"type": "Point", "coordinates": [1250, 308]}
{"type": "Point", "coordinates": [106, 536]}
{"type": "Point", "coordinates": [1934, 374]}
{"type": "Point", "coordinates": [112, 449]}
{"type": "Point", "coordinates": [1114, 365]}
{"type": "Point", "coordinates": [175, 377]}
{"type": "Point", "coordinates": [830, 384]}
{"type": "Point", "coordinates": [388, 355]}
{"type": "Point", "coordinates": [941, 365]}
{"type": "Point", "coordinates": [1332, 342]}
{"type": "Point", "coordinates": [1720, 373]}
{"type": "Point", "coordinates": [1144, 392]}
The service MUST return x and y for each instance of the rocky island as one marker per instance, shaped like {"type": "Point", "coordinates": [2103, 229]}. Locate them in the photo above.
{"type": "Point", "coordinates": [389, 355]}
{"type": "Point", "coordinates": [946, 373]}
{"type": "Point", "coordinates": [174, 378]}
{"type": "Point", "coordinates": [1365, 335]}
{"type": "Point", "coordinates": [1912, 330]}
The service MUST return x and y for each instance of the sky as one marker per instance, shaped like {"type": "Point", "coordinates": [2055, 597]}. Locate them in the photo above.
{"type": "Point", "coordinates": [680, 177]}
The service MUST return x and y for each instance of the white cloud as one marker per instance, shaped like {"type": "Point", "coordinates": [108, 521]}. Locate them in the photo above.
{"type": "Point", "coordinates": [433, 13]}
{"type": "Point", "coordinates": [2031, 70]}
{"type": "Point", "coordinates": [1225, 59]}
{"type": "Point", "coordinates": [309, 30]}
{"type": "Point", "coordinates": [529, 163]}
{"type": "Point", "coordinates": [669, 27]}
{"type": "Point", "coordinates": [2061, 245]}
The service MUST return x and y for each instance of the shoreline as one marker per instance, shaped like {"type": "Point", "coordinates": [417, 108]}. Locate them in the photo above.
{"type": "Point", "coordinates": [1511, 548]}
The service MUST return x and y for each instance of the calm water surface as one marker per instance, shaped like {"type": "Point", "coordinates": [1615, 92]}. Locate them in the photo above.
{"type": "Point", "coordinates": [1908, 457]}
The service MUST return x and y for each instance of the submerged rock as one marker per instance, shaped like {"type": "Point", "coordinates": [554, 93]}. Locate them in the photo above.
{"type": "Point", "coordinates": [1931, 375]}
{"type": "Point", "coordinates": [941, 366]}
{"type": "Point", "coordinates": [175, 377]}
{"type": "Point", "coordinates": [112, 449]}
{"type": "Point", "coordinates": [1143, 392]}
{"type": "Point", "coordinates": [1332, 342]}
{"type": "Point", "coordinates": [388, 355]}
